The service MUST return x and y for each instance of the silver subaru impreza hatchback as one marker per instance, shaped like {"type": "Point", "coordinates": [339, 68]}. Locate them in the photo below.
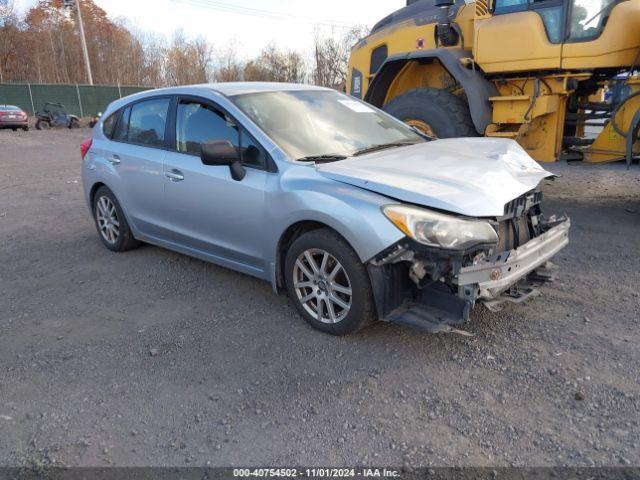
{"type": "Point", "coordinates": [356, 215]}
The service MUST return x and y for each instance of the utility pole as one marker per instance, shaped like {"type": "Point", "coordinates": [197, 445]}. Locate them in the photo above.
{"type": "Point", "coordinates": [83, 40]}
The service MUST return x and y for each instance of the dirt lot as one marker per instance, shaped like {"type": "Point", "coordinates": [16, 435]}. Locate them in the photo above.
{"type": "Point", "coordinates": [153, 358]}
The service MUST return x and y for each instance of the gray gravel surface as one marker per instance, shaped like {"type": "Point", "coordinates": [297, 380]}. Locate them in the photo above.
{"type": "Point", "coordinates": [153, 358]}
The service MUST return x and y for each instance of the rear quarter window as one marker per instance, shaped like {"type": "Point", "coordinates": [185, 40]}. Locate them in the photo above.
{"type": "Point", "coordinates": [109, 125]}
{"type": "Point", "coordinates": [122, 127]}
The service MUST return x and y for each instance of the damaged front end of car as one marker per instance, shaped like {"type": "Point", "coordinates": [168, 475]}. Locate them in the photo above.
{"type": "Point", "coordinates": [430, 281]}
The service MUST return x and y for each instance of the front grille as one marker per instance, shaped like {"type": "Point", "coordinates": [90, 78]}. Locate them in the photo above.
{"type": "Point", "coordinates": [482, 8]}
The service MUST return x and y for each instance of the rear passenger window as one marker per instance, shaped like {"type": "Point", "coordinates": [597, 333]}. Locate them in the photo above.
{"type": "Point", "coordinates": [147, 122]}
{"type": "Point", "coordinates": [109, 125]}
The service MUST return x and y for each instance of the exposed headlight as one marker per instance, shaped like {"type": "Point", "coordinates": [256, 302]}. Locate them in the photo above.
{"type": "Point", "coordinates": [439, 230]}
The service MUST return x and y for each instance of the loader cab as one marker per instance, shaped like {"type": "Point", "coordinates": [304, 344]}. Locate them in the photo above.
{"type": "Point", "coordinates": [535, 31]}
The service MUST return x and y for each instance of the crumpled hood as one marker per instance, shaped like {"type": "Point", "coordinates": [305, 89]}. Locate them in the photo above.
{"type": "Point", "coordinates": [468, 176]}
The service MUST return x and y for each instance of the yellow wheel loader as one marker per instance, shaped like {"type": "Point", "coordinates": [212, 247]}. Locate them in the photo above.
{"type": "Point", "coordinates": [537, 71]}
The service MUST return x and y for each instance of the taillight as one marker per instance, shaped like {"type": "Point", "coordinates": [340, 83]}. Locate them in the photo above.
{"type": "Point", "coordinates": [84, 147]}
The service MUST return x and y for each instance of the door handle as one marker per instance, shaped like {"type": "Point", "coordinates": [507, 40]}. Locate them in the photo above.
{"type": "Point", "coordinates": [174, 175]}
{"type": "Point", "coordinates": [114, 159]}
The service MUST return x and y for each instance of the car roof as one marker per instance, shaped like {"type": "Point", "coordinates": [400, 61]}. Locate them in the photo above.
{"type": "Point", "coordinates": [230, 89]}
{"type": "Point", "coordinates": [239, 88]}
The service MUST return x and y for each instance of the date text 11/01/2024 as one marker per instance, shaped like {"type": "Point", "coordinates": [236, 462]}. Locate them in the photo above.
{"type": "Point", "coordinates": [316, 473]}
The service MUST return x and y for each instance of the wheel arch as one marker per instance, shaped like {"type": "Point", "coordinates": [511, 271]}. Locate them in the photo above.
{"type": "Point", "coordinates": [477, 88]}
{"type": "Point", "coordinates": [290, 235]}
{"type": "Point", "coordinates": [99, 183]}
{"type": "Point", "coordinates": [94, 188]}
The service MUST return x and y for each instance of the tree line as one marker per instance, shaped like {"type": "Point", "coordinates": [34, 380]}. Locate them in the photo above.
{"type": "Point", "coordinates": [43, 46]}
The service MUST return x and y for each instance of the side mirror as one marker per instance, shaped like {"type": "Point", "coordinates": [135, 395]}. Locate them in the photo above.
{"type": "Point", "coordinates": [222, 152]}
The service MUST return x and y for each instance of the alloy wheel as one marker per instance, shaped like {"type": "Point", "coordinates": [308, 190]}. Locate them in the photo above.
{"type": "Point", "coordinates": [322, 286]}
{"type": "Point", "coordinates": [107, 218]}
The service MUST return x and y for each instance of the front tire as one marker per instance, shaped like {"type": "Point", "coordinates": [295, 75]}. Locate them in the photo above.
{"type": "Point", "coordinates": [435, 112]}
{"type": "Point", "coordinates": [42, 125]}
{"type": "Point", "coordinates": [113, 229]}
{"type": "Point", "coordinates": [74, 124]}
{"type": "Point", "coordinates": [328, 284]}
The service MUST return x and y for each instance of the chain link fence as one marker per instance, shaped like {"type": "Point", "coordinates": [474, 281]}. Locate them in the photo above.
{"type": "Point", "coordinates": [80, 100]}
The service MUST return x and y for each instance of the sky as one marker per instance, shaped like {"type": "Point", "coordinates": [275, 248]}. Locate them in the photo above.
{"type": "Point", "coordinates": [247, 24]}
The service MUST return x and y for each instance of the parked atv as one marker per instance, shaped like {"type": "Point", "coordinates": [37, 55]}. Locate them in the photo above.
{"type": "Point", "coordinates": [55, 115]}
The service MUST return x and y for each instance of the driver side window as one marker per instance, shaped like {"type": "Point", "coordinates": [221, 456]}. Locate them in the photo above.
{"type": "Point", "coordinates": [197, 123]}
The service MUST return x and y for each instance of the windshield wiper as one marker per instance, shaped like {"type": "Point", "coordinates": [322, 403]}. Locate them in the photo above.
{"type": "Point", "coordinates": [322, 158]}
{"type": "Point", "coordinates": [382, 146]}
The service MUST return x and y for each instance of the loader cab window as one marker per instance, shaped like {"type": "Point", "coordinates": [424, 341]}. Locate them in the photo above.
{"type": "Point", "coordinates": [507, 6]}
{"type": "Point", "coordinates": [588, 18]}
{"type": "Point", "coordinates": [551, 11]}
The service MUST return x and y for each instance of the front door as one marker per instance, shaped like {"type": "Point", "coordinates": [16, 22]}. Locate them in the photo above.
{"type": "Point", "coordinates": [210, 212]}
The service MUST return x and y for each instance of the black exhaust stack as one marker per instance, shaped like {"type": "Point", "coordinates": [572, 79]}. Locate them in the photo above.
{"type": "Point", "coordinates": [446, 34]}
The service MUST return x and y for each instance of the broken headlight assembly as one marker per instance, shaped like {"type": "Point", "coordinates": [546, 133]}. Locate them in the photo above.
{"type": "Point", "coordinates": [439, 230]}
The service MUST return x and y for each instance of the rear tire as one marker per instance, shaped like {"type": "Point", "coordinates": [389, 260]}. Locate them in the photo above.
{"type": "Point", "coordinates": [113, 229]}
{"type": "Point", "coordinates": [42, 125]}
{"type": "Point", "coordinates": [74, 124]}
{"type": "Point", "coordinates": [26, 129]}
{"type": "Point", "coordinates": [445, 114]}
{"type": "Point", "coordinates": [334, 295]}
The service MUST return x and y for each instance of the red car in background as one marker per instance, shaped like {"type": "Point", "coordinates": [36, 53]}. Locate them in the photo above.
{"type": "Point", "coordinates": [13, 117]}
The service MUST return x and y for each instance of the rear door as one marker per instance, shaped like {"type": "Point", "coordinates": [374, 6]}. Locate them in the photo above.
{"type": "Point", "coordinates": [137, 153]}
{"type": "Point", "coordinates": [209, 211]}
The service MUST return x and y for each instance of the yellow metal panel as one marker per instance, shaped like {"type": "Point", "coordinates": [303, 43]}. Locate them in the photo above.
{"type": "Point", "coordinates": [404, 37]}
{"type": "Point", "coordinates": [609, 145]}
{"type": "Point", "coordinates": [512, 109]}
{"type": "Point", "coordinates": [514, 42]}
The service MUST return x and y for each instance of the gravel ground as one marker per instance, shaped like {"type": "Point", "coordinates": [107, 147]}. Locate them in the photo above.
{"type": "Point", "coordinates": [153, 358]}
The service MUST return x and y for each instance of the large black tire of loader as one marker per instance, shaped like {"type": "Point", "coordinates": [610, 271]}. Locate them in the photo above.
{"type": "Point", "coordinates": [446, 114]}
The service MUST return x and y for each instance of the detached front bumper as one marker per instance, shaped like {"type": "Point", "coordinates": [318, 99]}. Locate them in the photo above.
{"type": "Point", "coordinates": [493, 276]}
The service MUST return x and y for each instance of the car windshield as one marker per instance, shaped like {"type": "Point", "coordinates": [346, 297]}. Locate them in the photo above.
{"type": "Point", "coordinates": [308, 124]}
{"type": "Point", "coordinates": [8, 107]}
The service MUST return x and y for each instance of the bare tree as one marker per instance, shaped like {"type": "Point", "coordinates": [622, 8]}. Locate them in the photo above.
{"type": "Point", "coordinates": [8, 35]}
{"type": "Point", "coordinates": [228, 67]}
{"type": "Point", "coordinates": [331, 57]}
{"type": "Point", "coordinates": [6, 10]}
{"type": "Point", "coordinates": [273, 65]}
{"type": "Point", "coordinates": [187, 62]}
{"type": "Point", "coordinates": [44, 47]}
